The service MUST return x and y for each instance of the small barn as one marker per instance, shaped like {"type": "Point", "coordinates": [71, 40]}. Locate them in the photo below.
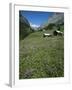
{"type": "Point", "coordinates": [56, 32]}
{"type": "Point", "coordinates": [46, 35]}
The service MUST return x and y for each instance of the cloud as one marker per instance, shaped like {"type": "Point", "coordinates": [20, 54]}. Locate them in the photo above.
{"type": "Point", "coordinates": [34, 25]}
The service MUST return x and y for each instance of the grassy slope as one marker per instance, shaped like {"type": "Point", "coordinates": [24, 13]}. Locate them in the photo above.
{"type": "Point", "coordinates": [41, 57]}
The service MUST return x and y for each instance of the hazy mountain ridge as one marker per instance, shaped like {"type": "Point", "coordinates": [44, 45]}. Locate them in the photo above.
{"type": "Point", "coordinates": [56, 18]}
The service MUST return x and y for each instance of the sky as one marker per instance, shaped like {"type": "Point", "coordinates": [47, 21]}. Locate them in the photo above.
{"type": "Point", "coordinates": [36, 18]}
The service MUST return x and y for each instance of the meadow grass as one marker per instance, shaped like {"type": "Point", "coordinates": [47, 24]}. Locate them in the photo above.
{"type": "Point", "coordinates": [41, 57]}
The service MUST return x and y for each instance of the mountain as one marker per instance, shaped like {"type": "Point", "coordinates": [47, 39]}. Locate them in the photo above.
{"type": "Point", "coordinates": [55, 20]}
{"type": "Point", "coordinates": [24, 27]}
{"type": "Point", "coordinates": [23, 20]}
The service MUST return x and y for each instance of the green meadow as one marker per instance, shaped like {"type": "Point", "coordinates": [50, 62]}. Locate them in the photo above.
{"type": "Point", "coordinates": [41, 57]}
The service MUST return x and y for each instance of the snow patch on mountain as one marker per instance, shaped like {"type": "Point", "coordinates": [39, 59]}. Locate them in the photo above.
{"type": "Point", "coordinates": [34, 26]}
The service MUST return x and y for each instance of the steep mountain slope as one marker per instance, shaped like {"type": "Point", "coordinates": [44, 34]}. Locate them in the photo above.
{"type": "Point", "coordinates": [24, 20]}
{"type": "Point", "coordinates": [24, 27]}
{"type": "Point", "coordinates": [56, 20]}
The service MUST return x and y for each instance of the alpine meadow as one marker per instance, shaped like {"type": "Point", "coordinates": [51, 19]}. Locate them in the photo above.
{"type": "Point", "coordinates": [41, 44]}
